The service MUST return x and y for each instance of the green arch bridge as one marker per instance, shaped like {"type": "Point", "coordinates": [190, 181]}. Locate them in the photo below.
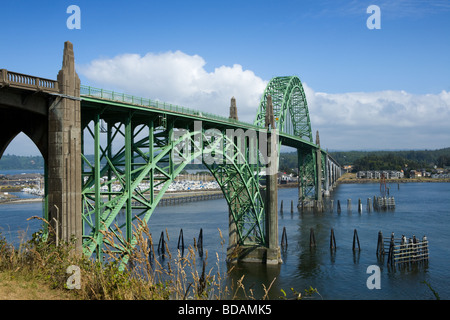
{"type": "Point", "coordinates": [108, 152]}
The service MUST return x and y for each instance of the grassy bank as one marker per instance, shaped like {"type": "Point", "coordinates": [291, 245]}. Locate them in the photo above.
{"type": "Point", "coordinates": [38, 269]}
{"type": "Point", "coordinates": [41, 264]}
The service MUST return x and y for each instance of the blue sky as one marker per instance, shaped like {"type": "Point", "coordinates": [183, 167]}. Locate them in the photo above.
{"type": "Point", "coordinates": [366, 89]}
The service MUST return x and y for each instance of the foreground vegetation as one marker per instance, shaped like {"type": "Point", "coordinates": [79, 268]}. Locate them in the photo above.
{"type": "Point", "coordinates": [38, 269]}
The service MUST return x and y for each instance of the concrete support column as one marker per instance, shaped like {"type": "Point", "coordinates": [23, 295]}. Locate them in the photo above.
{"type": "Point", "coordinates": [271, 205]}
{"type": "Point", "coordinates": [269, 253]}
{"type": "Point", "coordinates": [319, 174]}
{"type": "Point", "coordinates": [64, 150]}
{"type": "Point", "coordinates": [328, 182]}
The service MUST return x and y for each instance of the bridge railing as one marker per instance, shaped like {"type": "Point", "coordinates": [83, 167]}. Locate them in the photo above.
{"type": "Point", "coordinates": [126, 98]}
{"type": "Point", "coordinates": [19, 80]}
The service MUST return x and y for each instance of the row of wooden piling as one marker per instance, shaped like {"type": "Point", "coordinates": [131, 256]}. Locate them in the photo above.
{"type": "Point", "coordinates": [312, 240]}
{"type": "Point", "coordinates": [402, 250]}
{"type": "Point", "coordinates": [198, 244]}
{"type": "Point", "coordinates": [375, 204]}
{"type": "Point", "coordinates": [292, 206]}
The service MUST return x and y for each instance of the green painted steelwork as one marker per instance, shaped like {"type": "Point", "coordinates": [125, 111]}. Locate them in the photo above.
{"type": "Point", "coordinates": [290, 108]}
{"type": "Point", "coordinates": [136, 155]}
{"type": "Point", "coordinates": [291, 115]}
{"type": "Point", "coordinates": [133, 148]}
{"type": "Point", "coordinates": [141, 145]}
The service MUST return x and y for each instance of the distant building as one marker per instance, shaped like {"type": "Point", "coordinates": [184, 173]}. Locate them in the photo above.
{"type": "Point", "coordinates": [348, 168]}
{"type": "Point", "coordinates": [375, 174]}
{"type": "Point", "coordinates": [440, 176]}
{"type": "Point", "coordinates": [283, 178]}
{"type": "Point", "coordinates": [415, 174]}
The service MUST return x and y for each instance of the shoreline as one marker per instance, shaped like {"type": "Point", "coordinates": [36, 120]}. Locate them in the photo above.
{"type": "Point", "coordinates": [21, 200]}
{"type": "Point", "coordinates": [167, 195]}
{"type": "Point", "coordinates": [176, 194]}
{"type": "Point", "coordinates": [391, 181]}
{"type": "Point", "coordinates": [351, 178]}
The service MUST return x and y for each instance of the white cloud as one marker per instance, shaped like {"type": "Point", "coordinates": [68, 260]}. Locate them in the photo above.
{"type": "Point", "coordinates": [178, 78]}
{"type": "Point", "coordinates": [355, 120]}
{"type": "Point", "coordinates": [381, 120]}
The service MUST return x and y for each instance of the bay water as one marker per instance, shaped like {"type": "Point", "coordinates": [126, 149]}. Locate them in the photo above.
{"type": "Point", "coordinates": [421, 209]}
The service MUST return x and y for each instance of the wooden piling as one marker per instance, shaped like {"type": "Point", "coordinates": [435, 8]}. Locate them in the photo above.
{"type": "Point", "coordinates": [407, 251]}
{"type": "Point", "coordinates": [349, 204]}
{"type": "Point", "coordinates": [200, 243]}
{"type": "Point", "coordinates": [356, 238]}
{"type": "Point", "coordinates": [359, 205]}
{"type": "Point", "coordinates": [181, 239]}
{"type": "Point", "coordinates": [391, 252]}
{"type": "Point", "coordinates": [312, 238]}
{"type": "Point", "coordinates": [292, 206]}
{"type": "Point", "coordinates": [332, 240]}
{"type": "Point", "coordinates": [339, 206]}
{"type": "Point", "coordinates": [162, 244]}
{"type": "Point", "coordinates": [380, 245]}
{"type": "Point", "coordinates": [425, 250]}
{"type": "Point", "coordinates": [284, 242]}
{"type": "Point", "coordinates": [281, 207]}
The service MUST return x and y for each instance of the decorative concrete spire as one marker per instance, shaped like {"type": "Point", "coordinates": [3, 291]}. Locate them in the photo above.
{"type": "Point", "coordinates": [269, 120]}
{"type": "Point", "coordinates": [233, 109]}
{"type": "Point", "coordinates": [69, 82]}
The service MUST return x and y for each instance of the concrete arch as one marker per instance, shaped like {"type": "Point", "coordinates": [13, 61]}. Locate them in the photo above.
{"type": "Point", "coordinates": [34, 126]}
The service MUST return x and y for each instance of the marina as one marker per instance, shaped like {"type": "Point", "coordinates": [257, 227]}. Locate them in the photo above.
{"type": "Point", "coordinates": [191, 187]}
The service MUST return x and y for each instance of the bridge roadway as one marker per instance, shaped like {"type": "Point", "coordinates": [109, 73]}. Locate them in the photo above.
{"type": "Point", "coordinates": [136, 141]}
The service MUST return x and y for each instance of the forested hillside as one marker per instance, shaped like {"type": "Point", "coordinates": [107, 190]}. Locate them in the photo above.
{"type": "Point", "coordinates": [361, 160]}
{"type": "Point", "coordinates": [426, 158]}
{"type": "Point", "coordinates": [11, 162]}
{"type": "Point", "coordinates": [381, 160]}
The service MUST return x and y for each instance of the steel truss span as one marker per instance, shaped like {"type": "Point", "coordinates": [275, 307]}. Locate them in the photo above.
{"type": "Point", "coordinates": [139, 155]}
{"type": "Point", "coordinates": [141, 147]}
{"type": "Point", "coordinates": [132, 149]}
{"type": "Point", "coordinates": [291, 114]}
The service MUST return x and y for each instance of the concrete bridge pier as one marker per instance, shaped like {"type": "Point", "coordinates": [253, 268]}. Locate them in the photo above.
{"type": "Point", "coordinates": [64, 149]}
{"type": "Point", "coordinates": [269, 254]}
{"type": "Point", "coordinates": [273, 254]}
{"type": "Point", "coordinates": [319, 202]}
{"type": "Point", "coordinates": [327, 183]}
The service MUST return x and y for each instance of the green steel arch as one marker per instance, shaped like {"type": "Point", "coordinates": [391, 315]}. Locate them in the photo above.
{"type": "Point", "coordinates": [290, 108]}
{"type": "Point", "coordinates": [119, 183]}
{"type": "Point", "coordinates": [291, 115]}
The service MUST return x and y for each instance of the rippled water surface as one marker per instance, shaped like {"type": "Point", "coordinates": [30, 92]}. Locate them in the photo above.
{"type": "Point", "coordinates": [421, 209]}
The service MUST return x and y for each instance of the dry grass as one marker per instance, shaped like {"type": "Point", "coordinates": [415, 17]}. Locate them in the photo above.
{"type": "Point", "coordinates": [39, 264]}
{"type": "Point", "coordinates": [16, 286]}
{"type": "Point", "coordinates": [37, 269]}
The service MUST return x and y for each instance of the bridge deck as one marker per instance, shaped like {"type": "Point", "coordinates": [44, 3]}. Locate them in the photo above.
{"type": "Point", "coordinates": [100, 96]}
{"type": "Point", "coordinates": [96, 95]}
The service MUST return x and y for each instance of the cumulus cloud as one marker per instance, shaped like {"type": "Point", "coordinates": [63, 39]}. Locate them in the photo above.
{"type": "Point", "coordinates": [381, 120]}
{"type": "Point", "coordinates": [354, 120]}
{"type": "Point", "coordinates": [179, 78]}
